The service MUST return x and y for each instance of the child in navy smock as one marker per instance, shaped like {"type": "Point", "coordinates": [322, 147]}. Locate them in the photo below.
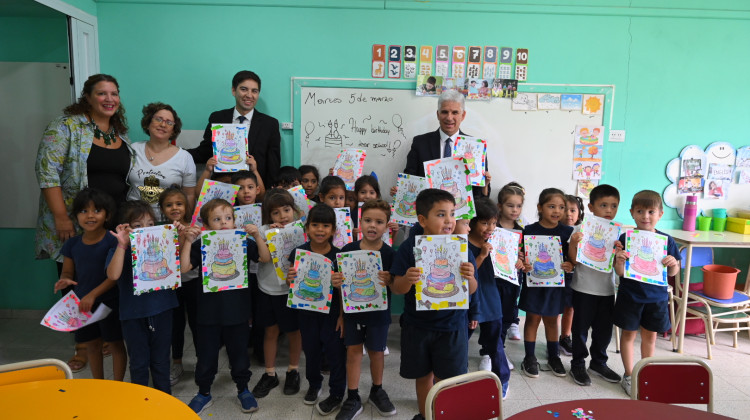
{"type": "Point", "coordinates": [146, 318]}
{"type": "Point", "coordinates": [545, 303]}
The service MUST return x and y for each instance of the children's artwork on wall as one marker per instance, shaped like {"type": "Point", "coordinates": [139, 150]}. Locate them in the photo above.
{"type": "Point", "coordinates": [693, 162]}
{"type": "Point", "coordinates": [209, 191]}
{"type": "Point", "coordinates": [156, 259]}
{"type": "Point", "coordinates": [474, 152]}
{"type": "Point", "coordinates": [386, 235]}
{"type": "Point", "coordinates": [587, 162]}
{"type": "Point", "coordinates": [589, 135]}
{"type": "Point", "coordinates": [453, 83]}
{"type": "Point", "coordinates": [478, 89]}
{"type": "Point", "coordinates": [362, 291]}
{"type": "Point", "coordinates": [596, 248]}
{"type": "Point", "coordinates": [405, 201]}
{"type": "Point", "coordinates": [720, 171]}
{"type": "Point", "coordinates": [647, 250]}
{"type": "Point", "coordinates": [230, 147]}
{"type": "Point", "coordinates": [429, 85]}
{"type": "Point", "coordinates": [249, 214]}
{"type": "Point", "coordinates": [504, 255]}
{"type": "Point", "coordinates": [441, 285]}
{"type": "Point", "coordinates": [548, 101]}
{"type": "Point", "coordinates": [544, 253]}
{"type": "Point", "coordinates": [348, 166]}
{"type": "Point", "coordinates": [593, 104]}
{"type": "Point", "coordinates": [585, 186]}
{"type": "Point", "coordinates": [344, 225]}
{"type": "Point", "coordinates": [743, 157]}
{"type": "Point", "coordinates": [311, 290]}
{"type": "Point", "coordinates": [743, 175]}
{"type": "Point", "coordinates": [716, 189]}
{"type": "Point", "coordinates": [690, 185]}
{"type": "Point", "coordinates": [301, 201]}
{"type": "Point", "coordinates": [451, 174]}
{"type": "Point", "coordinates": [571, 102]}
{"type": "Point", "coordinates": [281, 242]}
{"type": "Point", "coordinates": [65, 315]}
{"type": "Point", "coordinates": [224, 256]}
{"type": "Point", "coordinates": [524, 102]}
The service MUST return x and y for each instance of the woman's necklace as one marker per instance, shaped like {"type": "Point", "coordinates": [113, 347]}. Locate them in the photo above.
{"type": "Point", "coordinates": [151, 158]}
{"type": "Point", "coordinates": [108, 138]}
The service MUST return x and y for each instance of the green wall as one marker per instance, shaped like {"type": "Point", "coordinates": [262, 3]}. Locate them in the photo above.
{"type": "Point", "coordinates": [680, 73]}
{"type": "Point", "coordinates": [34, 39]}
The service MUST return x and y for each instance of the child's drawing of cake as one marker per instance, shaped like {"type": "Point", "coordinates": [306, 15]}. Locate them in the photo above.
{"type": "Point", "coordinates": [594, 248]}
{"type": "Point", "coordinates": [408, 205]}
{"type": "Point", "coordinates": [501, 259]}
{"type": "Point", "coordinates": [311, 287]}
{"type": "Point", "coordinates": [362, 288]}
{"type": "Point", "coordinates": [644, 261]}
{"type": "Point", "coordinates": [153, 264]}
{"type": "Point", "coordinates": [346, 171]}
{"type": "Point", "coordinates": [470, 161]}
{"type": "Point", "coordinates": [230, 153]}
{"type": "Point", "coordinates": [543, 266]}
{"type": "Point", "coordinates": [441, 283]}
{"type": "Point", "coordinates": [449, 184]}
{"type": "Point", "coordinates": [224, 268]}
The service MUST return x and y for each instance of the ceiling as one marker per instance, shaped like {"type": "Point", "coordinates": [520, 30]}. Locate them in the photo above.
{"type": "Point", "coordinates": [25, 8]}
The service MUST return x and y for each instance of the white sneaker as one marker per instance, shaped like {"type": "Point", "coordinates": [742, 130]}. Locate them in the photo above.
{"type": "Point", "coordinates": [514, 333]}
{"type": "Point", "coordinates": [485, 363]}
{"type": "Point", "coordinates": [386, 352]}
{"type": "Point", "coordinates": [510, 364]}
{"type": "Point", "coordinates": [627, 384]}
{"type": "Point", "coordinates": [175, 373]}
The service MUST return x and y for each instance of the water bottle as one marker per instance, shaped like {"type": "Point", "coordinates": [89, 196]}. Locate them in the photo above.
{"type": "Point", "coordinates": [689, 213]}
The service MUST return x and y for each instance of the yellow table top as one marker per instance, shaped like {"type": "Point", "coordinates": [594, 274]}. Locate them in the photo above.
{"type": "Point", "coordinates": [84, 399]}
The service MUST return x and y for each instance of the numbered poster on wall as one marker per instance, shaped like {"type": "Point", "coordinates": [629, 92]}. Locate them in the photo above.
{"type": "Point", "coordinates": [442, 60]}
{"type": "Point", "coordinates": [224, 260]}
{"type": "Point", "coordinates": [458, 68]}
{"type": "Point", "coordinates": [429, 85]}
{"type": "Point", "coordinates": [362, 291]}
{"type": "Point", "coordinates": [451, 175]}
{"type": "Point", "coordinates": [410, 62]}
{"type": "Point", "coordinates": [522, 64]}
{"type": "Point", "coordinates": [155, 255]}
{"type": "Point", "coordinates": [378, 61]}
{"type": "Point", "coordinates": [441, 286]}
{"type": "Point", "coordinates": [505, 248]}
{"type": "Point", "coordinates": [474, 152]}
{"type": "Point", "coordinates": [505, 67]}
{"type": "Point", "coordinates": [647, 250]}
{"type": "Point", "coordinates": [311, 290]}
{"type": "Point", "coordinates": [544, 253]}
{"type": "Point", "coordinates": [425, 60]}
{"type": "Point", "coordinates": [348, 166]}
{"type": "Point", "coordinates": [405, 201]}
{"type": "Point", "coordinates": [474, 68]}
{"type": "Point", "coordinates": [490, 63]}
{"type": "Point", "coordinates": [212, 190]}
{"type": "Point", "coordinates": [394, 62]}
{"type": "Point", "coordinates": [230, 147]}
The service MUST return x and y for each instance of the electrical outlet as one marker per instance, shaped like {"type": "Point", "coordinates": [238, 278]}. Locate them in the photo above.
{"type": "Point", "coordinates": [617, 135]}
{"type": "Point", "coordinates": [287, 126]}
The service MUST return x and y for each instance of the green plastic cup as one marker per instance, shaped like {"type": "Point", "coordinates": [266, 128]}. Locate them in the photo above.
{"type": "Point", "coordinates": [704, 223]}
{"type": "Point", "coordinates": [720, 224]}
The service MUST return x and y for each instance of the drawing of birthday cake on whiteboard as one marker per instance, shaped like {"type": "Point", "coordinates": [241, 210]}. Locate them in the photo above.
{"type": "Point", "coordinates": [441, 282]}
{"type": "Point", "coordinates": [311, 287]}
{"type": "Point", "coordinates": [408, 205]}
{"type": "Point", "coordinates": [333, 138]}
{"type": "Point", "coordinates": [230, 153]}
{"type": "Point", "coordinates": [594, 247]}
{"type": "Point", "coordinates": [449, 184]}
{"type": "Point", "coordinates": [644, 260]}
{"type": "Point", "coordinates": [224, 268]}
{"type": "Point", "coordinates": [154, 264]}
{"type": "Point", "coordinates": [362, 288]}
{"type": "Point", "coordinates": [543, 266]}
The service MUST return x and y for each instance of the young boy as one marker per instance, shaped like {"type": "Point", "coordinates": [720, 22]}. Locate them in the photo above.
{"type": "Point", "coordinates": [593, 298]}
{"type": "Point", "coordinates": [250, 185]}
{"type": "Point", "coordinates": [490, 318]}
{"type": "Point", "coordinates": [640, 305]}
{"type": "Point", "coordinates": [288, 177]}
{"type": "Point", "coordinates": [222, 316]}
{"type": "Point", "coordinates": [434, 344]}
{"type": "Point", "coordinates": [369, 328]}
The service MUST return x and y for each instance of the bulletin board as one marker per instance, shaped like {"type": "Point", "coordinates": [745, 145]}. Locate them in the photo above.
{"type": "Point", "coordinates": [534, 148]}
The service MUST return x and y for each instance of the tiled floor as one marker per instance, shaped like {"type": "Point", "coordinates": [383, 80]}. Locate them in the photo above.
{"type": "Point", "coordinates": [25, 339]}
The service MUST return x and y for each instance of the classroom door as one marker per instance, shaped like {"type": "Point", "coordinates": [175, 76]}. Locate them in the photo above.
{"type": "Point", "coordinates": [84, 52]}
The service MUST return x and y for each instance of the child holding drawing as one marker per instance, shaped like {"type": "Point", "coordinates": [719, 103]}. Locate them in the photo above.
{"type": "Point", "coordinates": [510, 202]}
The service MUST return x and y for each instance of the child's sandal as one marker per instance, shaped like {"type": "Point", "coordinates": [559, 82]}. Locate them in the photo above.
{"type": "Point", "coordinates": [78, 362]}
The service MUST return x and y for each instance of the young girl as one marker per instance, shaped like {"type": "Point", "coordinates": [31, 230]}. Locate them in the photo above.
{"type": "Point", "coordinates": [545, 303]}
{"type": "Point", "coordinates": [174, 206]}
{"type": "Point", "coordinates": [322, 332]}
{"type": "Point", "coordinates": [222, 316]}
{"type": "Point", "coordinates": [574, 217]}
{"type": "Point", "coordinates": [367, 188]}
{"type": "Point", "coordinates": [510, 202]}
{"type": "Point", "coordinates": [369, 328]}
{"type": "Point", "coordinates": [333, 191]}
{"type": "Point", "coordinates": [273, 315]}
{"type": "Point", "coordinates": [147, 318]}
{"type": "Point", "coordinates": [309, 181]}
{"type": "Point", "coordinates": [84, 267]}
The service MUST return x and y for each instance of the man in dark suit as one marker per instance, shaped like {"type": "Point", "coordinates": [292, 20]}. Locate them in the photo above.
{"type": "Point", "coordinates": [264, 140]}
{"type": "Point", "coordinates": [438, 144]}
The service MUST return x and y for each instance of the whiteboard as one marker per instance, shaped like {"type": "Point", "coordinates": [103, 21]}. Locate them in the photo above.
{"type": "Point", "coordinates": [39, 92]}
{"type": "Point", "coordinates": [534, 148]}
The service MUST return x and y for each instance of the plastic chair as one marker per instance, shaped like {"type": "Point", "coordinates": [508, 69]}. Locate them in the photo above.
{"type": "Point", "coordinates": [673, 380]}
{"type": "Point", "coordinates": [700, 257]}
{"type": "Point", "coordinates": [34, 370]}
{"type": "Point", "coordinates": [474, 395]}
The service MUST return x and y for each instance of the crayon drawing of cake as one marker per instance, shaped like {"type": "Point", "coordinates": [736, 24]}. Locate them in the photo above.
{"type": "Point", "coordinates": [408, 205]}
{"type": "Point", "coordinates": [449, 184]}
{"type": "Point", "coordinates": [362, 288]}
{"type": "Point", "coordinates": [153, 263]}
{"type": "Point", "coordinates": [311, 287]}
{"type": "Point", "coordinates": [230, 153]}
{"type": "Point", "coordinates": [223, 268]}
{"type": "Point", "coordinates": [594, 248]}
{"type": "Point", "coordinates": [501, 259]}
{"type": "Point", "coordinates": [471, 161]}
{"type": "Point", "coordinates": [346, 171]}
{"type": "Point", "coordinates": [644, 261]}
{"type": "Point", "coordinates": [441, 283]}
{"type": "Point", "coordinates": [543, 266]}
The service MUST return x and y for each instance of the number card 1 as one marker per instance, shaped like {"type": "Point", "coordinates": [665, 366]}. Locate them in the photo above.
{"type": "Point", "coordinates": [378, 61]}
{"type": "Point", "coordinates": [490, 62]}
{"type": "Point", "coordinates": [473, 71]}
{"type": "Point", "coordinates": [442, 60]}
{"type": "Point", "coordinates": [505, 69]}
{"type": "Point", "coordinates": [522, 64]}
{"type": "Point", "coordinates": [410, 62]}
{"type": "Point", "coordinates": [394, 62]}
{"type": "Point", "coordinates": [459, 62]}
{"type": "Point", "coordinates": [425, 60]}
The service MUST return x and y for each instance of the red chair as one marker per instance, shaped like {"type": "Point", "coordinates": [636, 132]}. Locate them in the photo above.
{"type": "Point", "coordinates": [474, 395]}
{"type": "Point", "coordinates": [673, 380]}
